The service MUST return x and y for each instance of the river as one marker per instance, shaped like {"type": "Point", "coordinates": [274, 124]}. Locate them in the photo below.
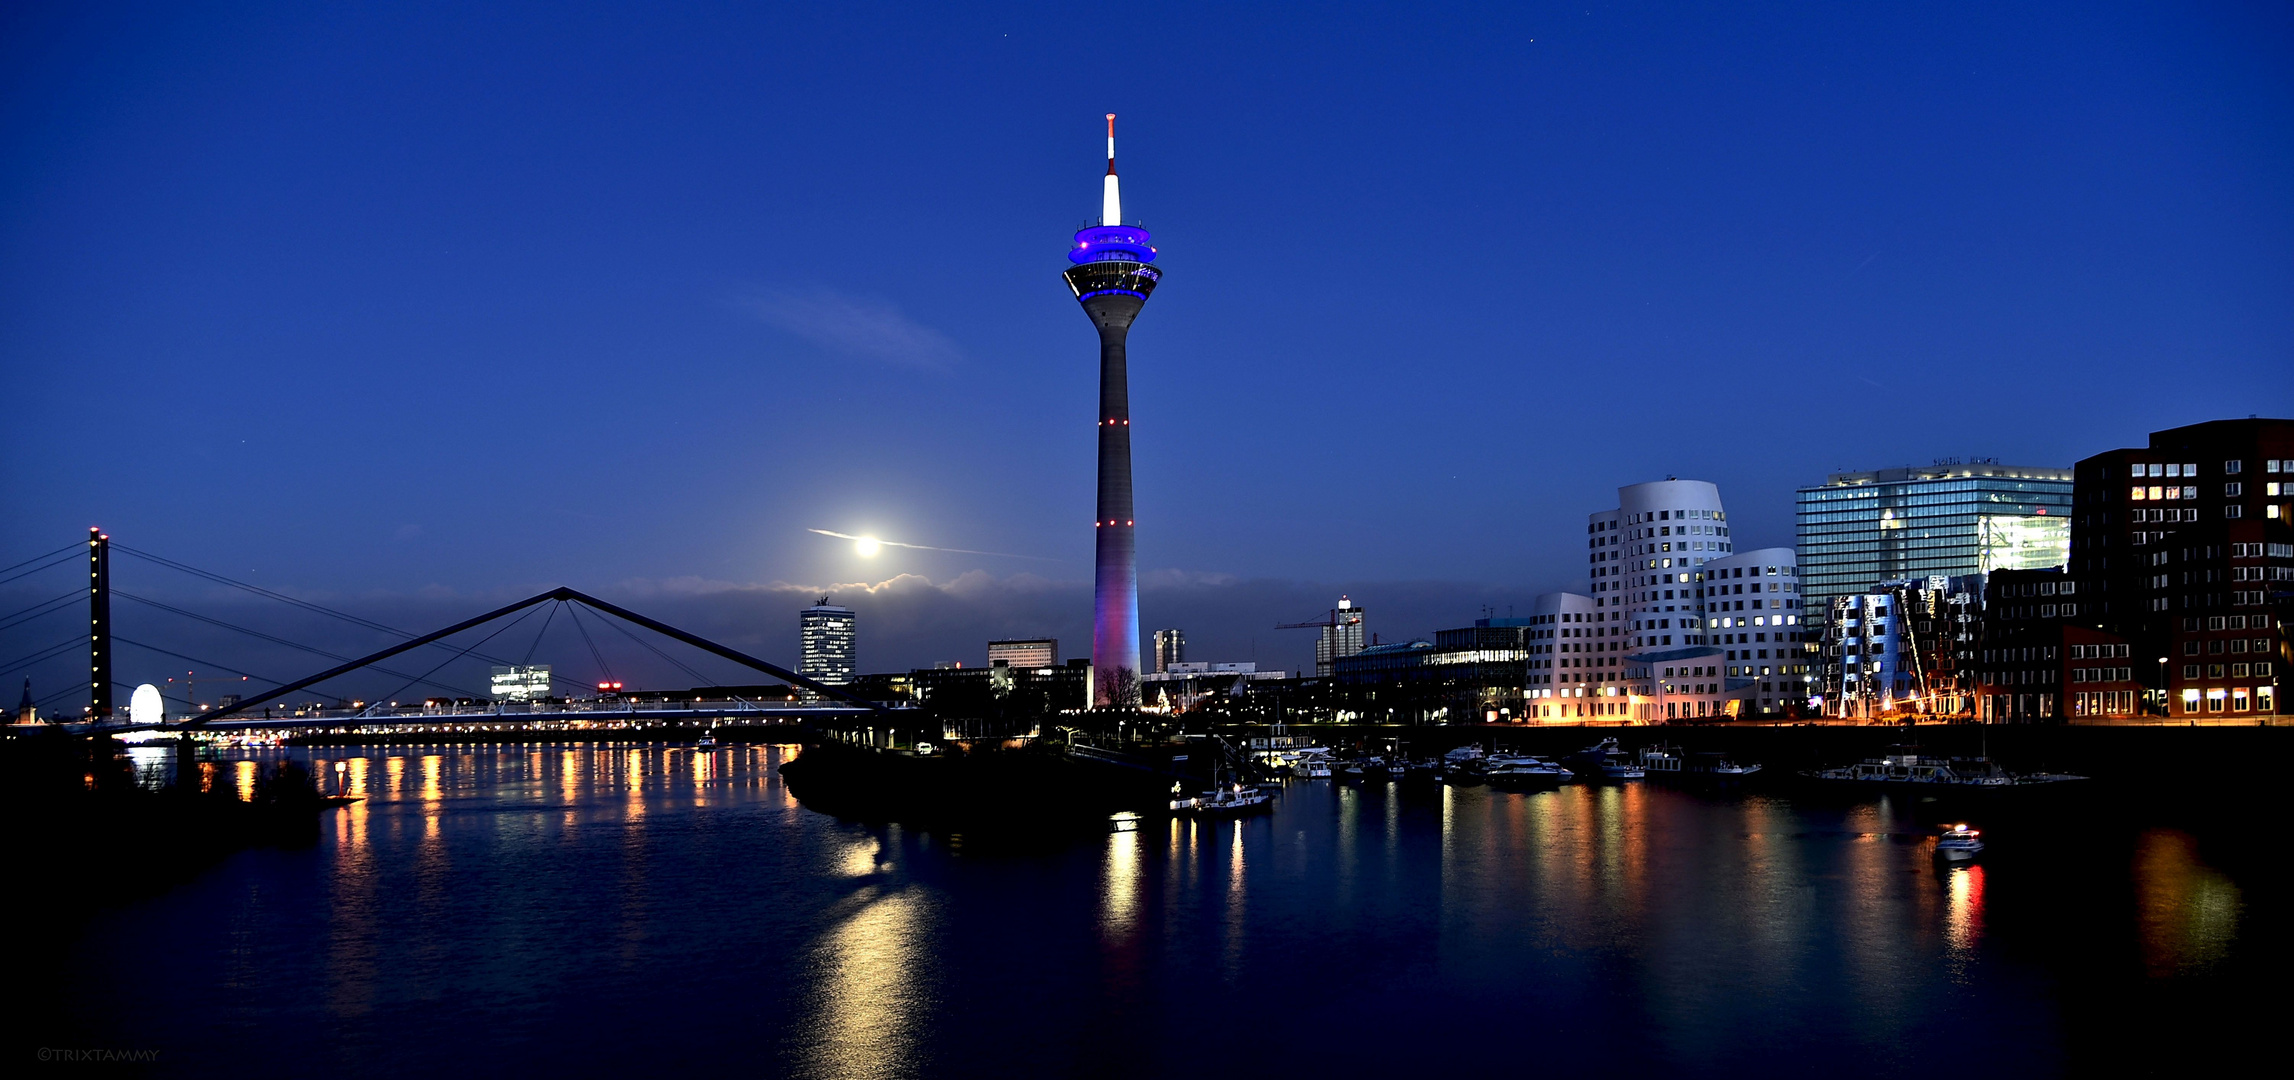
{"type": "Point", "coordinates": [578, 911]}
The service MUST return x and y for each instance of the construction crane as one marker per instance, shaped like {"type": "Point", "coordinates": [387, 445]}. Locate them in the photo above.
{"type": "Point", "coordinates": [1335, 627]}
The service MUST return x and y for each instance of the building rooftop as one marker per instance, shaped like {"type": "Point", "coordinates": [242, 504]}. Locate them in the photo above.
{"type": "Point", "coordinates": [1945, 470]}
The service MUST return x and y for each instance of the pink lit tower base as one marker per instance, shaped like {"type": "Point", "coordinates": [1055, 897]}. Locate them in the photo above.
{"type": "Point", "coordinates": [1112, 279]}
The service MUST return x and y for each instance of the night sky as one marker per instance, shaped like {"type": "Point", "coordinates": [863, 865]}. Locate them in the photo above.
{"type": "Point", "coordinates": [412, 308]}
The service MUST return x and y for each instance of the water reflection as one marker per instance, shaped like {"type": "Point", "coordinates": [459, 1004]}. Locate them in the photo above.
{"type": "Point", "coordinates": [870, 999]}
{"type": "Point", "coordinates": [2189, 912]}
{"type": "Point", "coordinates": [1963, 914]}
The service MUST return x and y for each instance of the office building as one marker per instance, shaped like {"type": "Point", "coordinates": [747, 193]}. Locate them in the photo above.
{"type": "Point", "coordinates": [1024, 652]}
{"type": "Point", "coordinates": [826, 644]}
{"type": "Point", "coordinates": [1342, 635]}
{"type": "Point", "coordinates": [1464, 675]}
{"type": "Point", "coordinates": [1949, 519]}
{"type": "Point", "coordinates": [520, 682]}
{"type": "Point", "coordinates": [1112, 278]}
{"type": "Point", "coordinates": [1170, 648]}
{"type": "Point", "coordinates": [2184, 549]}
{"type": "Point", "coordinates": [2042, 659]}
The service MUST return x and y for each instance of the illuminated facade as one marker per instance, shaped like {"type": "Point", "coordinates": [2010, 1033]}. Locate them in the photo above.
{"type": "Point", "coordinates": [2185, 550]}
{"type": "Point", "coordinates": [520, 682]}
{"type": "Point", "coordinates": [1112, 277]}
{"type": "Point", "coordinates": [1752, 612]}
{"type": "Point", "coordinates": [1170, 648]}
{"type": "Point", "coordinates": [1904, 648]}
{"type": "Point", "coordinates": [1024, 652]}
{"type": "Point", "coordinates": [1949, 519]}
{"type": "Point", "coordinates": [827, 641]}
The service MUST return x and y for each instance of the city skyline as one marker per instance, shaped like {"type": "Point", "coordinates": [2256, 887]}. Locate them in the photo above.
{"type": "Point", "coordinates": [353, 329]}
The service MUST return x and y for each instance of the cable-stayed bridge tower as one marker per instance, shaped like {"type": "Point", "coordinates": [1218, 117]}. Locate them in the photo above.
{"type": "Point", "coordinates": [1112, 278]}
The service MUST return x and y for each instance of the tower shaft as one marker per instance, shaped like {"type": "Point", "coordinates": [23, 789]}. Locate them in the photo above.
{"type": "Point", "coordinates": [1115, 579]}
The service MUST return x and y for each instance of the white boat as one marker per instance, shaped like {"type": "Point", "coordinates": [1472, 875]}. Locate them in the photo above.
{"type": "Point", "coordinates": [1959, 844]}
{"type": "Point", "coordinates": [1605, 760]}
{"type": "Point", "coordinates": [1226, 799]}
{"type": "Point", "coordinates": [1663, 761]}
{"type": "Point", "coordinates": [1502, 768]}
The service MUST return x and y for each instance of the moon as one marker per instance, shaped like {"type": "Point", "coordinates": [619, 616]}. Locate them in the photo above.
{"type": "Point", "coordinates": [867, 546]}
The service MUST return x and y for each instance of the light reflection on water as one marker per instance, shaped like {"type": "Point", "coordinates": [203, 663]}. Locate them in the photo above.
{"type": "Point", "coordinates": [565, 905]}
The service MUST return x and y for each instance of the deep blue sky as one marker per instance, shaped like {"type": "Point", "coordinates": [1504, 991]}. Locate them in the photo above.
{"type": "Point", "coordinates": [399, 301]}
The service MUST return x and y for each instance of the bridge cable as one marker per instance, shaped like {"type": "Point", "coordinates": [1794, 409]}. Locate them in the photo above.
{"type": "Point", "coordinates": [52, 606]}
{"type": "Point", "coordinates": [425, 676]}
{"type": "Point", "coordinates": [275, 640]}
{"type": "Point", "coordinates": [308, 606]}
{"type": "Point", "coordinates": [538, 634]}
{"type": "Point", "coordinates": [74, 546]}
{"type": "Point", "coordinates": [574, 613]}
{"type": "Point", "coordinates": [44, 654]}
{"type": "Point", "coordinates": [260, 591]}
{"type": "Point", "coordinates": [699, 680]}
{"type": "Point", "coordinates": [36, 569]}
{"type": "Point", "coordinates": [198, 661]}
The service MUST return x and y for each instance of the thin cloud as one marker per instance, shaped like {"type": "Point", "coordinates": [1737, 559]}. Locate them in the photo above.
{"type": "Point", "coordinates": [928, 547]}
{"type": "Point", "coordinates": [862, 327]}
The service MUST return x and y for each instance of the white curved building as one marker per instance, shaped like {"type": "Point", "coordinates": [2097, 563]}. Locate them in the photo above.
{"type": "Point", "coordinates": [1663, 653]}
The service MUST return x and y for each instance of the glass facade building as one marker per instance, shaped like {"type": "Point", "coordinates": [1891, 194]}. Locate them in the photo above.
{"type": "Point", "coordinates": [1860, 529]}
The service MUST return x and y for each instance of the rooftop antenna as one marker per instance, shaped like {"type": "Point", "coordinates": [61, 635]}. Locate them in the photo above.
{"type": "Point", "coordinates": [1110, 200]}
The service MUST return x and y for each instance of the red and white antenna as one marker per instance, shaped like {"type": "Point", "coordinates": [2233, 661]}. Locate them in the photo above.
{"type": "Point", "coordinates": [1110, 200]}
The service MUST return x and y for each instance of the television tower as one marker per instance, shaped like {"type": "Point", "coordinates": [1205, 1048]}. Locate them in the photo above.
{"type": "Point", "coordinates": [1112, 279]}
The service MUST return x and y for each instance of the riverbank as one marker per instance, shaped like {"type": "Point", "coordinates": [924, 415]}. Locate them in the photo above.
{"type": "Point", "coordinates": [84, 828]}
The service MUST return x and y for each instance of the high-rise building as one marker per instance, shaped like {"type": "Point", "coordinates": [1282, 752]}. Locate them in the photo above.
{"type": "Point", "coordinates": [1112, 278]}
{"type": "Point", "coordinates": [1341, 635]}
{"type": "Point", "coordinates": [1024, 653]}
{"type": "Point", "coordinates": [1858, 529]}
{"type": "Point", "coordinates": [826, 644]}
{"type": "Point", "coordinates": [2184, 549]}
{"type": "Point", "coordinates": [1170, 648]}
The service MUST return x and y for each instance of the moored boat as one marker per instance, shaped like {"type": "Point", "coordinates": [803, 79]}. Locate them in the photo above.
{"type": "Point", "coordinates": [1518, 770]}
{"type": "Point", "coordinates": [1911, 770]}
{"type": "Point", "coordinates": [1604, 760]}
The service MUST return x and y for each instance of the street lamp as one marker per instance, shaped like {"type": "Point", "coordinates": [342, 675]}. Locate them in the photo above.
{"type": "Point", "coordinates": [2166, 704]}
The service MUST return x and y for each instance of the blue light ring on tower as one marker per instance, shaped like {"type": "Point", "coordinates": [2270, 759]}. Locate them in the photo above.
{"type": "Point", "coordinates": [1112, 243]}
{"type": "Point", "coordinates": [1101, 278]}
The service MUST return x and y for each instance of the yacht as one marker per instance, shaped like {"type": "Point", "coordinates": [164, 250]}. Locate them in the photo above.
{"type": "Point", "coordinates": [1908, 768]}
{"type": "Point", "coordinates": [1959, 844]}
{"type": "Point", "coordinates": [1520, 769]}
{"type": "Point", "coordinates": [1605, 760]}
